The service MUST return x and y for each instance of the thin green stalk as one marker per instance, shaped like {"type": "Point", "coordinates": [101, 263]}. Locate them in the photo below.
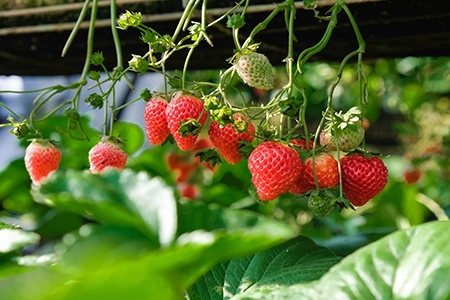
{"type": "Point", "coordinates": [263, 25]}
{"type": "Point", "coordinates": [185, 15]}
{"type": "Point", "coordinates": [76, 103]}
{"type": "Point", "coordinates": [361, 42]}
{"type": "Point", "coordinates": [218, 20]}
{"type": "Point", "coordinates": [90, 42]}
{"type": "Point", "coordinates": [186, 62]}
{"type": "Point", "coordinates": [113, 104]}
{"type": "Point", "coordinates": [105, 115]}
{"type": "Point", "coordinates": [163, 67]}
{"type": "Point", "coordinates": [37, 107]}
{"type": "Point", "coordinates": [309, 52]}
{"type": "Point", "coordinates": [126, 104]}
{"type": "Point", "coordinates": [76, 27]}
{"type": "Point", "coordinates": [11, 111]}
{"type": "Point", "coordinates": [28, 91]}
{"type": "Point", "coordinates": [203, 23]}
{"type": "Point", "coordinates": [41, 95]}
{"type": "Point", "coordinates": [115, 34]}
{"type": "Point", "coordinates": [361, 94]}
{"type": "Point", "coordinates": [189, 15]}
{"type": "Point", "coordinates": [53, 111]}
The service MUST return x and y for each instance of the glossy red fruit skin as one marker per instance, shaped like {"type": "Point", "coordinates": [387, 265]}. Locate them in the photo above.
{"type": "Point", "coordinates": [187, 190]}
{"type": "Point", "coordinates": [227, 140]}
{"type": "Point", "coordinates": [107, 154]}
{"type": "Point", "coordinates": [182, 108]}
{"type": "Point", "coordinates": [41, 159]}
{"type": "Point", "coordinates": [362, 178]}
{"type": "Point", "coordinates": [327, 173]}
{"type": "Point", "coordinates": [155, 120]}
{"type": "Point", "coordinates": [412, 175]}
{"type": "Point", "coordinates": [301, 143]}
{"type": "Point", "coordinates": [274, 167]}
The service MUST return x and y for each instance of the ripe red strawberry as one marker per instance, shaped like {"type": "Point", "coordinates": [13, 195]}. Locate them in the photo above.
{"type": "Point", "coordinates": [412, 175]}
{"type": "Point", "coordinates": [274, 168]}
{"type": "Point", "coordinates": [187, 190]}
{"type": "Point", "coordinates": [182, 108]}
{"type": "Point", "coordinates": [155, 121]}
{"type": "Point", "coordinates": [41, 159]}
{"type": "Point", "coordinates": [255, 70]}
{"type": "Point", "coordinates": [362, 178]}
{"type": "Point", "coordinates": [326, 171]}
{"type": "Point", "coordinates": [227, 139]}
{"type": "Point", "coordinates": [107, 153]}
{"type": "Point", "coordinates": [301, 143]}
{"type": "Point", "coordinates": [174, 161]}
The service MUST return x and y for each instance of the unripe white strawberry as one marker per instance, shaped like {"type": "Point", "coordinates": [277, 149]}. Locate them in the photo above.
{"type": "Point", "coordinates": [255, 70]}
{"type": "Point", "coordinates": [347, 139]}
{"type": "Point", "coordinates": [344, 131]}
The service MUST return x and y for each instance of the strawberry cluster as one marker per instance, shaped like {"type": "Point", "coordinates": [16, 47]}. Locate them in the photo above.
{"type": "Point", "coordinates": [277, 167]}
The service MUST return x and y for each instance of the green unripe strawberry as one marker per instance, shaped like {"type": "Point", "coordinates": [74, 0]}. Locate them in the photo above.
{"type": "Point", "coordinates": [255, 70]}
{"type": "Point", "coordinates": [321, 205]}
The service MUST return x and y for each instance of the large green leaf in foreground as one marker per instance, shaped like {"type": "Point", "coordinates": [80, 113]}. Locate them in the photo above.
{"type": "Point", "coordinates": [127, 199]}
{"type": "Point", "coordinates": [118, 258]}
{"type": "Point", "coordinates": [409, 264]}
{"type": "Point", "coordinates": [297, 260]}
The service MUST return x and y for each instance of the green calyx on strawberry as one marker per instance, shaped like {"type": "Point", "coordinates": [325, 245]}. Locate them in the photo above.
{"type": "Point", "coordinates": [218, 111]}
{"type": "Point", "coordinates": [255, 70]}
{"type": "Point", "coordinates": [95, 100]}
{"type": "Point", "coordinates": [209, 155]}
{"type": "Point", "coordinates": [20, 130]}
{"type": "Point", "coordinates": [364, 176]}
{"type": "Point", "coordinates": [343, 131]}
{"type": "Point", "coordinates": [107, 153]}
{"type": "Point", "coordinates": [321, 203]}
{"type": "Point", "coordinates": [41, 159]}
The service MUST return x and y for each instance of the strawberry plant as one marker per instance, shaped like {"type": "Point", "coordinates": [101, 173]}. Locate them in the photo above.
{"type": "Point", "coordinates": [234, 197]}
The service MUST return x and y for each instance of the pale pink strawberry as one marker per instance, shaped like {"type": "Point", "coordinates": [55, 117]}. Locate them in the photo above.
{"type": "Point", "coordinates": [108, 153]}
{"type": "Point", "coordinates": [41, 159]}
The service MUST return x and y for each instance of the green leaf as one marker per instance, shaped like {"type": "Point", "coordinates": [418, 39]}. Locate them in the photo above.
{"type": "Point", "coordinates": [10, 268]}
{"type": "Point", "coordinates": [124, 198]}
{"type": "Point", "coordinates": [236, 21]}
{"type": "Point", "coordinates": [31, 285]}
{"type": "Point", "coordinates": [15, 239]}
{"type": "Point", "coordinates": [54, 223]}
{"type": "Point", "coordinates": [13, 194]}
{"type": "Point", "coordinates": [409, 264]}
{"type": "Point", "coordinates": [112, 262]}
{"type": "Point", "coordinates": [132, 135]}
{"type": "Point", "coordinates": [297, 260]}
